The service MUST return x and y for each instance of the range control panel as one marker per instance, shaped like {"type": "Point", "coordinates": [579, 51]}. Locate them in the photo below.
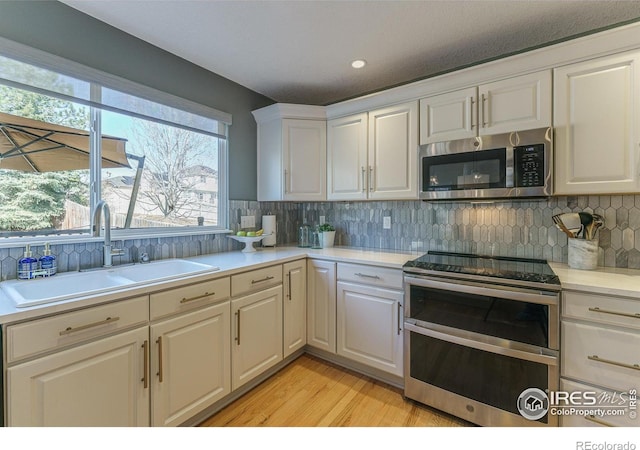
{"type": "Point", "coordinates": [528, 165]}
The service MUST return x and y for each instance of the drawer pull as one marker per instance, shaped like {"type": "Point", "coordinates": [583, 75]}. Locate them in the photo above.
{"type": "Point", "coordinates": [364, 275]}
{"type": "Point", "coordinates": [160, 375]}
{"type": "Point", "coordinates": [261, 280]}
{"type": "Point", "coordinates": [197, 297]}
{"type": "Point", "coordinates": [70, 330]}
{"type": "Point", "coordinates": [594, 419]}
{"type": "Point", "coordinates": [615, 313]}
{"type": "Point", "coordinates": [614, 363]}
{"type": "Point", "coordinates": [145, 380]}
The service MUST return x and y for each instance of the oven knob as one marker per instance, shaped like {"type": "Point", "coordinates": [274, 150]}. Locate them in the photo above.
{"type": "Point", "coordinates": [470, 408]}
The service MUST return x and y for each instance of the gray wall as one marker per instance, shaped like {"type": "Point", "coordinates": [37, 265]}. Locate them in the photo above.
{"type": "Point", "coordinates": [58, 29]}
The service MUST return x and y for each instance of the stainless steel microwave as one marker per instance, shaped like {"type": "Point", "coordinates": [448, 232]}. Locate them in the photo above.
{"type": "Point", "coordinates": [516, 164]}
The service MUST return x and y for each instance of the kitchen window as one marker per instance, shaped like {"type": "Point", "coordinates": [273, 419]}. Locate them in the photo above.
{"type": "Point", "coordinates": [69, 140]}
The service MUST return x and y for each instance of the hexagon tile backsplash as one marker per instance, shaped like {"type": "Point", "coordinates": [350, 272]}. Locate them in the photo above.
{"type": "Point", "coordinates": [511, 228]}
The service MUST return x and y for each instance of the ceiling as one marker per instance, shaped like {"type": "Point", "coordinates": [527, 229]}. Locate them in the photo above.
{"type": "Point", "coordinates": [301, 51]}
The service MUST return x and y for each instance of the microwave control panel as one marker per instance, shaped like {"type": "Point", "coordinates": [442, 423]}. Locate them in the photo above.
{"type": "Point", "coordinates": [528, 165]}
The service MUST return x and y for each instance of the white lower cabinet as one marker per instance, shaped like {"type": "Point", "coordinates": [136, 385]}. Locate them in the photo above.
{"type": "Point", "coordinates": [190, 363]}
{"type": "Point", "coordinates": [599, 354]}
{"type": "Point", "coordinates": [294, 306]}
{"type": "Point", "coordinates": [257, 334]}
{"type": "Point", "coordinates": [102, 383]}
{"type": "Point", "coordinates": [321, 305]}
{"type": "Point", "coordinates": [369, 326]}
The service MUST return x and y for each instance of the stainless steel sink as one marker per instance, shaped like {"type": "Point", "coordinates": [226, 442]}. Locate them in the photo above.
{"type": "Point", "coordinates": [81, 284]}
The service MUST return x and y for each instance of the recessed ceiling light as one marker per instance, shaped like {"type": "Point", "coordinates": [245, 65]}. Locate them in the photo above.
{"type": "Point", "coordinates": [358, 63]}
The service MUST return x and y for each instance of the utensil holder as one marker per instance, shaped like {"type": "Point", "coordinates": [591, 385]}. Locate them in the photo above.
{"type": "Point", "coordinates": [583, 253]}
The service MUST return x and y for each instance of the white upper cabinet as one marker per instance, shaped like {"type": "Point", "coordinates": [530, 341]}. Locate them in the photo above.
{"type": "Point", "coordinates": [513, 104]}
{"type": "Point", "coordinates": [393, 152]}
{"type": "Point", "coordinates": [596, 107]}
{"type": "Point", "coordinates": [292, 148]}
{"type": "Point", "coordinates": [347, 162]}
{"type": "Point", "coordinates": [374, 155]}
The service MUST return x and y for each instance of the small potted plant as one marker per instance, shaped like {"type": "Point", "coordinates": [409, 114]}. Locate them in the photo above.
{"type": "Point", "coordinates": [328, 234]}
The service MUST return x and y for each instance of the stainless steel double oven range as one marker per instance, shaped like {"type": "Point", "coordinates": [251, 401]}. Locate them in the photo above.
{"type": "Point", "coordinates": [478, 331]}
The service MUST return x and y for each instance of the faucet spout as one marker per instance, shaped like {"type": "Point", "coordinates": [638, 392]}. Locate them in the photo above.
{"type": "Point", "coordinates": [101, 208]}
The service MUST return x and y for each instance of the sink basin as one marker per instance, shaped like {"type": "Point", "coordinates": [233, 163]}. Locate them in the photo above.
{"type": "Point", "coordinates": [63, 286]}
{"type": "Point", "coordinates": [162, 270]}
{"type": "Point", "coordinates": [79, 284]}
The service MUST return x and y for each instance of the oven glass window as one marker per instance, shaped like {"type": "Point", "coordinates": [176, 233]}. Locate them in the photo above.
{"type": "Point", "coordinates": [489, 378]}
{"type": "Point", "coordinates": [484, 169]}
{"type": "Point", "coordinates": [507, 319]}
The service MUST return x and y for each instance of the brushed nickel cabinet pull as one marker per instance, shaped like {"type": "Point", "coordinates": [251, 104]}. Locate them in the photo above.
{"type": "Point", "coordinates": [484, 115]}
{"type": "Point", "coordinates": [197, 297]}
{"type": "Point", "coordinates": [473, 102]}
{"type": "Point", "coordinates": [399, 318]}
{"type": "Point", "coordinates": [145, 380]}
{"type": "Point", "coordinates": [615, 313]}
{"type": "Point", "coordinates": [364, 176]}
{"type": "Point", "coordinates": [70, 330]}
{"type": "Point", "coordinates": [159, 342]}
{"type": "Point", "coordinates": [364, 275]}
{"type": "Point", "coordinates": [262, 280]}
{"type": "Point", "coordinates": [594, 419]}
{"type": "Point", "coordinates": [371, 187]}
{"type": "Point", "coordinates": [238, 327]}
{"type": "Point", "coordinates": [286, 173]}
{"type": "Point", "coordinates": [614, 363]}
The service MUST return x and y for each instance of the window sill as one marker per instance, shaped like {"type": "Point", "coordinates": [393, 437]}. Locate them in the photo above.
{"type": "Point", "coordinates": [116, 235]}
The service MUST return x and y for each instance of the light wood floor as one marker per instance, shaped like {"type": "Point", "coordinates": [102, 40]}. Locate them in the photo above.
{"type": "Point", "coordinates": [311, 392]}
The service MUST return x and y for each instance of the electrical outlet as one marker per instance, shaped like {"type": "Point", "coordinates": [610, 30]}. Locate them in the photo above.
{"type": "Point", "coordinates": [386, 222]}
{"type": "Point", "coordinates": [322, 220]}
{"type": "Point", "coordinates": [247, 221]}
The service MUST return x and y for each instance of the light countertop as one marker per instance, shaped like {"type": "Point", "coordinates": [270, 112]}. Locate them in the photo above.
{"type": "Point", "coordinates": [229, 263]}
{"type": "Point", "coordinates": [602, 280]}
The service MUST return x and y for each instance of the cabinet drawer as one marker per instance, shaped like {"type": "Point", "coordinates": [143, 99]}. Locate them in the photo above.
{"type": "Point", "coordinates": [255, 280]}
{"type": "Point", "coordinates": [615, 398]}
{"type": "Point", "coordinates": [602, 308]}
{"type": "Point", "coordinates": [37, 336]}
{"type": "Point", "coordinates": [601, 356]}
{"type": "Point", "coordinates": [188, 297]}
{"type": "Point", "coordinates": [373, 275]}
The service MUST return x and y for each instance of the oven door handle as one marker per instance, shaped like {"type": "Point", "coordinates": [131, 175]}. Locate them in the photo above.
{"type": "Point", "coordinates": [477, 289]}
{"type": "Point", "coordinates": [479, 345]}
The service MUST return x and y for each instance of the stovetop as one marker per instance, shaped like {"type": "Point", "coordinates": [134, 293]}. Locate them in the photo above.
{"type": "Point", "coordinates": [525, 271]}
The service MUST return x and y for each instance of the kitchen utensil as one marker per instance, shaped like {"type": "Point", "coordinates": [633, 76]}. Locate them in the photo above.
{"type": "Point", "coordinates": [561, 226]}
{"type": "Point", "coordinates": [586, 219]}
{"type": "Point", "coordinates": [592, 228]}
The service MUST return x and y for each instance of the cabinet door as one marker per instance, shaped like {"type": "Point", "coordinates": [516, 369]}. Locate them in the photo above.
{"type": "Point", "coordinates": [393, 152]}
{"type": "Point", "coordinates": [596, 126]}
{"type": "Point", "coordinates": [190, 363]}
{"type": "Point", "coordinates": [514, 104]}
{"type": "Point", "coordinates": [257, 332]}
{"type": "Point", "coordinates": [99, 384]}
{"type": "Point", "coordinates": [321, 305]}
{"type": "Point", "coordinates": [295, 306]}
{"type": "Point", "coordinates": [449, 116]}
{"type": "Point", "coordinates": [369, 326]}
{"type": "Point", "coordinates": [347, 168]}
{"type": "Point", "coordinates": [305, 159]}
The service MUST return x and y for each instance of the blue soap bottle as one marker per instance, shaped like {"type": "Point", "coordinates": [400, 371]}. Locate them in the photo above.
{"type": "Point", "coordinates": [48, 263]}
{"type": "Point", "coordinates": [27, 265]}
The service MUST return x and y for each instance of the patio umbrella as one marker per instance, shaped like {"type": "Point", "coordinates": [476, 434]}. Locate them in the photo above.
{"type": "Point", "coordinates": [35, 146]}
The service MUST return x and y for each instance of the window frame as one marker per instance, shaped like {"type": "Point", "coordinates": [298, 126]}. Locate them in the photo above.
{"type": "Point", "coordinates": [97, 80]}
